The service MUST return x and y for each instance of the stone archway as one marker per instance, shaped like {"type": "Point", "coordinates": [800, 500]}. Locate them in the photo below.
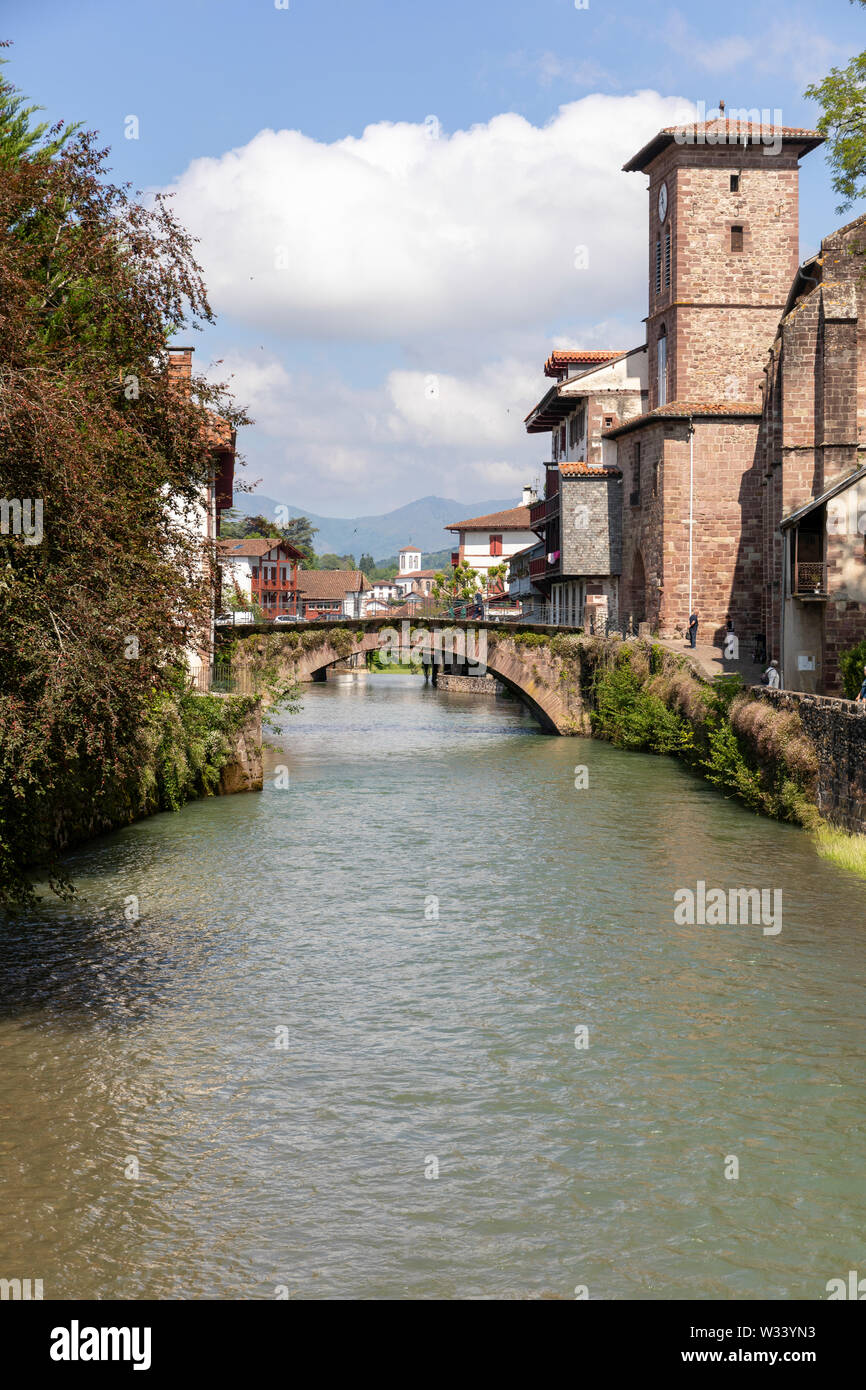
{"type": "Point", "coordinates": [530, 670]}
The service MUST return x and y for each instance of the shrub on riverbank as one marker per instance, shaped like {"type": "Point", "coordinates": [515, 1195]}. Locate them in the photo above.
{"type": "Point", "coordinates": [644, 697]}
{"type": "Point", "coordinates": [178, 755]}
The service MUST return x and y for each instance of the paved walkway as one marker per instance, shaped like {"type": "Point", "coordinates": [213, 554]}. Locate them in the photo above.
{"type": "Point", "coordinates": [710, 661]}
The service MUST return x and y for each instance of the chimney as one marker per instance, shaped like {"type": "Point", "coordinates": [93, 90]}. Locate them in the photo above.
{"type": "Point", "coordinates": [529, 496]}
{"type": "Point", "coordinates": [180, 363]}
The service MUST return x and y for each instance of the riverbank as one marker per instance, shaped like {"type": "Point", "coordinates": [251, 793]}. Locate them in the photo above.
{"type": "Point", "coordinates": [793, 759]}
{"type": "Point", "coordinates": [192, 746]}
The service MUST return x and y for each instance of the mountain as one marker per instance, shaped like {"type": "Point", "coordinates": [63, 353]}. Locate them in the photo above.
{"type": "Point", "coordinates": [418, 523]}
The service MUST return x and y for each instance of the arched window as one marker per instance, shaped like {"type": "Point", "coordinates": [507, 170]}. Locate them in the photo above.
{"type": "Point", "coordinates": [662, 366]}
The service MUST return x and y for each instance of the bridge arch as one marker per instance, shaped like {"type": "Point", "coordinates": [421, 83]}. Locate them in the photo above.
{"type": "Point", "coordinates": [530, 671]}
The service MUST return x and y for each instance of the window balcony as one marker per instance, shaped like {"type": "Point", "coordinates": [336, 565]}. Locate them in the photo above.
{"type": "Point", "coordinates": [810, 579]}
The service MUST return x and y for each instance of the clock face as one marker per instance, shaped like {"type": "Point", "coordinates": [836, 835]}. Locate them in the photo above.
{"type": "Point", "coordinates": [663, 202]}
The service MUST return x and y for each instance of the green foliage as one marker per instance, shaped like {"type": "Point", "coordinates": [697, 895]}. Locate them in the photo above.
{"type": "Point", "coordinates": [842, 96]}
{"type": "Point", "coordinates": [642, 697]}
{"type": "Point", "coordinates": [851, 663]}
{"type": "Point", "coordinates": [629, 716]}
{"type": "Point", "coordinates": [19, 139]}
{"type": "Point", "coordinates": [96, 615]}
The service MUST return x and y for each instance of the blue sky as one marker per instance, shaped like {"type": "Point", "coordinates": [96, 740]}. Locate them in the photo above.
{"type": "Point", "coordinates": [420, 282]}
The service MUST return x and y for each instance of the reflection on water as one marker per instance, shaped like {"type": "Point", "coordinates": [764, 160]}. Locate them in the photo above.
{"type": "Point", "coordinates": [425, 917]}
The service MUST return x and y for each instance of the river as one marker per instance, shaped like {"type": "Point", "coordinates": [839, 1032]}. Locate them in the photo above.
{"type": "Point", "coordinates": [338, 988]}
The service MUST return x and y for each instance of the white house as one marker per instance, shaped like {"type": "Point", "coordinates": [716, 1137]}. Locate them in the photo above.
{"type": "Point", "coordinates": [488, 541]}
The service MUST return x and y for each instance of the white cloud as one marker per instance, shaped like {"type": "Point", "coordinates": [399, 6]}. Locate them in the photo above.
{"type": "Point", "coordinates": [397, 236]}
{"type": "Point", "coordinates": [343, 449]}
{"type": "Point", "coordinates": [788, 47]}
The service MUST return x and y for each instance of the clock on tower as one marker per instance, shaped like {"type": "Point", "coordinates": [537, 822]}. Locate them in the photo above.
{"type": "Point", "coordinates": [663, 202]}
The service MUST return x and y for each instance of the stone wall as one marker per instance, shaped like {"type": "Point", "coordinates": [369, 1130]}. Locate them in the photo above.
{"type": "Point", "coordinates": [838, 730]}
{"type": "Point", "coordinates": [244, 771]}
{"type": "Point", "coordinates": [470, 685]}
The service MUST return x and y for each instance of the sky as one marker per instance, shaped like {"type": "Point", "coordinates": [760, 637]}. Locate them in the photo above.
{"type": "Point", "coordinates": [401, 208]}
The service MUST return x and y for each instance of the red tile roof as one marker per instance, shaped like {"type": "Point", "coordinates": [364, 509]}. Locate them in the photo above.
{"type": "Point", "coordinates": [512, 519]}
{"type": "Point", "coordinates": [580, 469]}
{"type": "Point", "coordinates": [253, 547]}
{"type": "Point", "coordinates": [330, 584]}
{"type": "Point", "coordinates": [733, 133]}
{"type": "Point", "coordinates": [684, 410]}
{"type": "Point", "coordinates": [562, 358]}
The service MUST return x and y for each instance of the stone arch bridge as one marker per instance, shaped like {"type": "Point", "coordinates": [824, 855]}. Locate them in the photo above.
{"type": "Point", "coordinates": [530, 662]}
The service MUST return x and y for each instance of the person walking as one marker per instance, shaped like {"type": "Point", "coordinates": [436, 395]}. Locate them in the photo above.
{"type": "Point", "coordinates": [693, 630]}
{"type": "Point", "coordinates": [772, 677]}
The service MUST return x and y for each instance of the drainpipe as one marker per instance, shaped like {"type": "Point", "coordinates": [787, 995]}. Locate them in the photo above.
{"type": "Point", "coordinates": [691, 507]}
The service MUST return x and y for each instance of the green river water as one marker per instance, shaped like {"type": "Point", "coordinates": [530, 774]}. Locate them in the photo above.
{"type": "Point", "coordinates": [335, 988]}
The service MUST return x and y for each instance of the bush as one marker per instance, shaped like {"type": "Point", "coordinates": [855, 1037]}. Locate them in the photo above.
{"type": "Point", "coordinates": [851, 663]}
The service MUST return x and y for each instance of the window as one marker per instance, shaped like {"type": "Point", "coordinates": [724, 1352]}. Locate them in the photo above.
{"type": "Point", "coordinates": [608, 422]}
{"type": "Point", "coordinates": [254, 571]}
{"type": "Point", "coordinates": [736, 238]}
{"type": "Point", "coordinates": [562, 441]}
{"type": "Point", "coordinates": [495, 545]}
{"type": "Point", "coordinates": [735, 183]}
{"type": "Point", "coordinates": [667, 257]}
{"type": "Point", "coordinates": [658, 266]}
{"type": "Point", "coordinates": [576, 428]}
{"type": "Point", "coordinates": [662, 366]}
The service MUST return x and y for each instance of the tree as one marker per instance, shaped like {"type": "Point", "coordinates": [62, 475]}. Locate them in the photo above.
{"type": "Point", "coordinates": [457, 585]}
{"type": "Point", "coordinates": [842, 95]}
{"type": "Point", "coordinates": [337, 562]}
{"type": "Point", "coordinates": [18, 138]}
{"type": "Point", "coordinates": [260, 526]}
{"type": "Point", "coordinates": [98, 609]}
{"type": "Point", "coordinates": [494, 575]}
{"type": "Point", "coordinates": [299, 532]}
{"type": "Point", "coordinates": [367, 564]}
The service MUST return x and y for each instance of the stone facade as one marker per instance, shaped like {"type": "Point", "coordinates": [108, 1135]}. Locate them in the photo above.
{"type": "Point", "coordinates": [837, 728]}
{"type": "Point", "coordinates": [813, 599]}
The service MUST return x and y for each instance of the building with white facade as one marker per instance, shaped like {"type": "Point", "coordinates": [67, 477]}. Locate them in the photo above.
{"type": "Point", "coordinates": [488, 541]}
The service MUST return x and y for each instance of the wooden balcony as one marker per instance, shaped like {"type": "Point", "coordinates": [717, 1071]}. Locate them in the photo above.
{"type": "Point", "coordinates": [541, 511]}
{"type": "Point", "coordinates": [810, 579]}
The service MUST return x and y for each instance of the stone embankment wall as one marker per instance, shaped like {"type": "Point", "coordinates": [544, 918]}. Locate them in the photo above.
{"type": "Point", "coordinates": [837, 728]}
{"type": "Point", "coordinates": [243, 770]}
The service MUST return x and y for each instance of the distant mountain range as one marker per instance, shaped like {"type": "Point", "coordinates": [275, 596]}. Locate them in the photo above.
{"type": "Point", "coordinates": [419, 523]}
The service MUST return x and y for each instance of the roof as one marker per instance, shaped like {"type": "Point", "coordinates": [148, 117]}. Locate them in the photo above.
{"type": "Point", "coordinates": [253, 547]}
{"type": "Point", "coordinates": [816, 502]}
{"type": "Point", "coordinates": [409, 547]}
{"type": "Point", "coordinates": [685, 410]}
{"type": "Point", "coordinates": [565, 397]}
{"type": "Point", "coordinates": [512, 519]}
{"type": "Point", "coordinates": [412, 574]}
{"type": "Point", "coordinates": [563, 358]}
{"type": "Point", "coordinates": [734, 134]}
{"type": "Point", "coordinates": [330, 584]}
{"type": "Point", "coordinates": [580, 469]}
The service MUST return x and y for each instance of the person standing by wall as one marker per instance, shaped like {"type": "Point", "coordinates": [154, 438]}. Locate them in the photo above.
{"type": "Point", "coordinates": [693, 629]}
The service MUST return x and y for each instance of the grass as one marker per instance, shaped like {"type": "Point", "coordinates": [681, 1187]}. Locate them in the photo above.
{"type": "Point", "coordinates": [842, 848]}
